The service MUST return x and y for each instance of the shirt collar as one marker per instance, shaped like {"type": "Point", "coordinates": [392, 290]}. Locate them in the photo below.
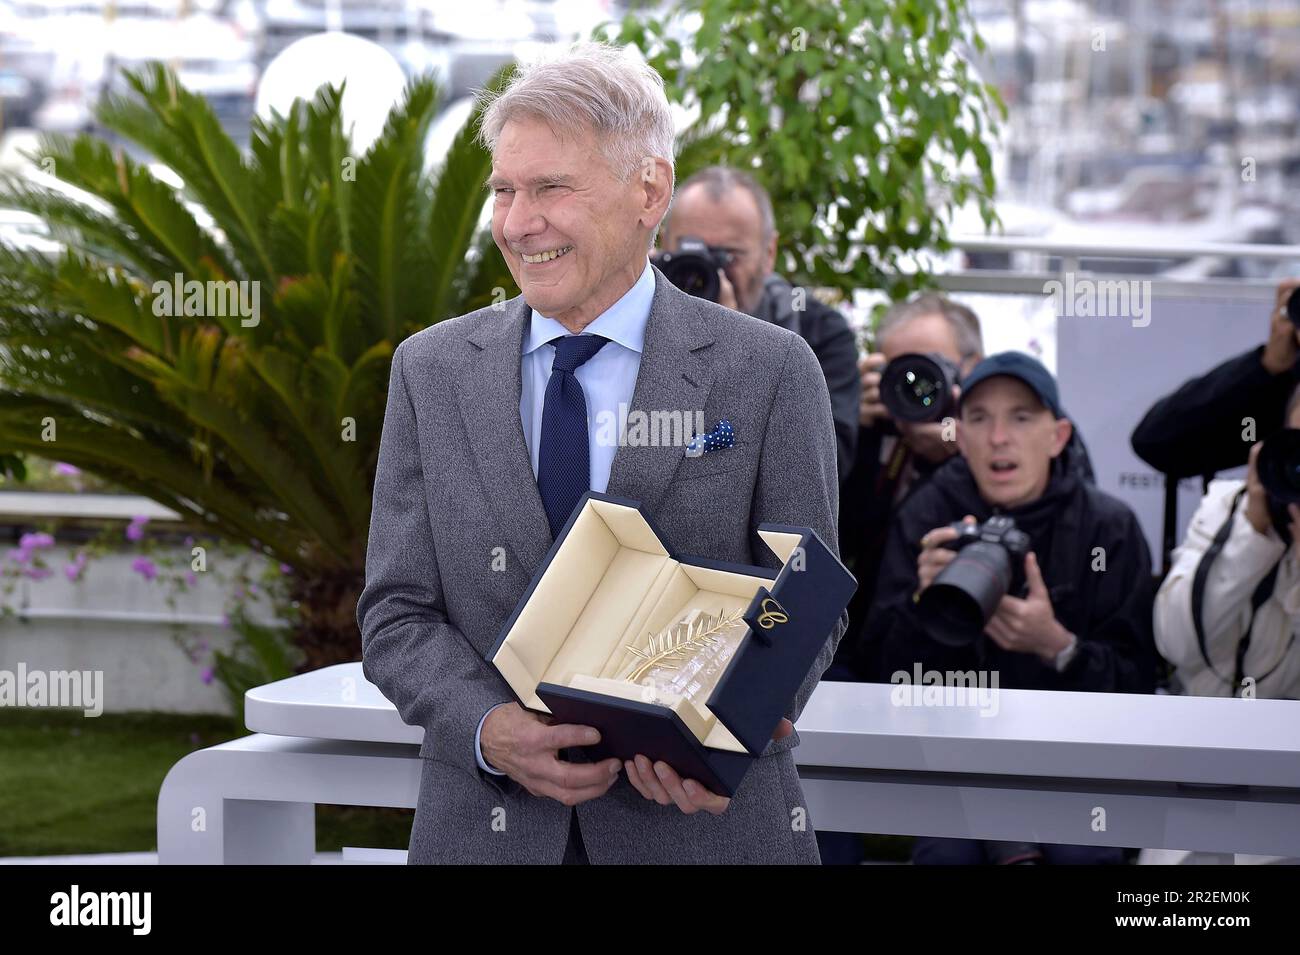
{"type": "Point", "coordinates": [623, 322]}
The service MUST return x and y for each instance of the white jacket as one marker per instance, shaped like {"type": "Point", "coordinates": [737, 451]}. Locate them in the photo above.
{"type": "Point", "coordinates": [1245, 560]}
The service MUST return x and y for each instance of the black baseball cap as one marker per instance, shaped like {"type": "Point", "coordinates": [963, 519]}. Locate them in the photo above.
{"type": "Point", "coordinates": [1022, 367]}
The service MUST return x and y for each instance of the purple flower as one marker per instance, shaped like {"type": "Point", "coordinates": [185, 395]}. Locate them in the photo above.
{"type": "Point", "coordinates": [38, 573]}
{"type": "Point", "coordinates": [35, 541]}
{"type": "Point", "coordinates": [19, 555]}
{"type": "Point", "coordinates": [190, 578]}
{"type": "Point", "coordinates": [203, 646]}
{"type": "Point", "coordinates": [286, 569]}
{"type": "Point", "coordinates": [144, 567]}
{"type": "Point", "coordinates": [66, 469]}
{"type": "Point", "coordinates": [189, 541]}
{"type": "Point", "coordinates": [252, 588]}
{"type": "Point", "coordinates": [135, 530]}
{"type": "Point", "coordinates": [225, 619]}
{"type": "Point", "coordinates": [74, 569]}
{"type": "Point", "coordinates": [206, 675]}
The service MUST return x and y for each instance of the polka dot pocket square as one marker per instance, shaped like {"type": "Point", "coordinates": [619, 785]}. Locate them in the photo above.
{"type": "Point", "coordinates": [722, 436]}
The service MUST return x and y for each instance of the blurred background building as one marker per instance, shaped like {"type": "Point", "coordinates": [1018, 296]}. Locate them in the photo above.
{"type": "Point", "coordinates": [1148, 120]}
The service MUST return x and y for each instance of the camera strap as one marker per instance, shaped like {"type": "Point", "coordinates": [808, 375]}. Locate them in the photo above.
{"type": "Point", "coordinates": [1262, 592]}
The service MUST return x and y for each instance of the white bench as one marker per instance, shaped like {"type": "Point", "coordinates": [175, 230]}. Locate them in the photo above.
{"type": "Point", "coordinates": [1214, 775]}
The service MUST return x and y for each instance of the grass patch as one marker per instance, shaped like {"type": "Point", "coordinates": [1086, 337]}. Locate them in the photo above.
{"type": "Point", "coordinates": [73, 785]}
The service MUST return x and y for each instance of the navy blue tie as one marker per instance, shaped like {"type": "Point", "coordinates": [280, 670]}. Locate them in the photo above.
{"type": "Point", "coordinates": [564, 460]}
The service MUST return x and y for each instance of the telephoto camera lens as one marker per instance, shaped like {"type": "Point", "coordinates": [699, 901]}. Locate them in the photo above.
{"type": "Point", "coordinates": [918, 388]}
{"type": "Point", "coordinates": [963, 597]}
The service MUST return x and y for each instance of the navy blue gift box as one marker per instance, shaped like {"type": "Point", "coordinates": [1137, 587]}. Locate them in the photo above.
{"type": "Point", "coordinates": [609, 580]}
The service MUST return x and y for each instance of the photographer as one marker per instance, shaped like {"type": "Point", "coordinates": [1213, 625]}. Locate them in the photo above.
{"type": "Point", "coordinates": [1249, 590]}
{"type": "Point", "coordinates": [1082, 620]}
{"type": "Point", "coordinates": [1197, 429]}
{"type": "Point", "coordinates": [893, 457]}
{"type": "Point", "coordinates": [722, 220]}
{"type": "Point", "coordinates": [1227, 613]}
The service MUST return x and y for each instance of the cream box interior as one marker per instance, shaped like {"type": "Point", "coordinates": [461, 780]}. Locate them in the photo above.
{"type": "Point", "coordinates": [610, 584]}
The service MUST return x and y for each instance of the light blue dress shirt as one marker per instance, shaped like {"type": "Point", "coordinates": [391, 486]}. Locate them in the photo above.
{"type": "Point", "coordinates": [608, 379]}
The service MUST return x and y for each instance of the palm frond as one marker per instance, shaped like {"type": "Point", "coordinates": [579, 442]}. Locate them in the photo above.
{"type": "Point", "coordinates": [679, 642]}
{"type": "Point", "coordinates": [394, 262]}
{"type": "Point", "coordinates": [266, 432]}
{"type": "Point", "coordinates": [457, 204]}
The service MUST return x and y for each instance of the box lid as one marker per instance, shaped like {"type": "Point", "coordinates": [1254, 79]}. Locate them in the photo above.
{"type": "Point", "coordinates": [789, 624]}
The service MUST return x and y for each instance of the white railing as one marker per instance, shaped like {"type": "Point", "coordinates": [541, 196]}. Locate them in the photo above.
{"type": "Point", "coordinates": [1095, 250]}
{"type": "Point", "coordinates": [1073, 254]}
{"type": "Point", "coordinates": [38, 504]}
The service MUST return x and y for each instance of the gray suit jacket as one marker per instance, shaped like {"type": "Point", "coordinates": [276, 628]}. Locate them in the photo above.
{"type": "Point", "coordinates": [455, 492]}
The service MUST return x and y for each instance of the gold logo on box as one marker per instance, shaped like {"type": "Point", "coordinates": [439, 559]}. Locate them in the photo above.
{"type": "Point", "coordinates": [768, 617]}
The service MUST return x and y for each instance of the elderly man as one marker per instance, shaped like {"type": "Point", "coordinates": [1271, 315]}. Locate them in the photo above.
{"type": "Point", "coordinates": [728, 209]}
{"type": "Point", "coordinates": [492, 434]}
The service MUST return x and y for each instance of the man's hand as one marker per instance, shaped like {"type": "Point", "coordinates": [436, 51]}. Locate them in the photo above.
{"type": "Point", "coordinates": [1280, 349]}
{"type": "Point", "coordinates": [1256, 496]}
{"type": "Point", "coordinates": [932, 440]}
{"type": "Point", "coordinates": [1029, 625]}
{"type": "Point", "coordinates": [525, 746]}
{"type": "Point", "coordinates": [872, 409]}
{"type": "Point", "coordinates": [934, 557]}
{"type": "Point", "coordinates": [726, 292]}
{"type": "Point", "coordinates": [661, 783]}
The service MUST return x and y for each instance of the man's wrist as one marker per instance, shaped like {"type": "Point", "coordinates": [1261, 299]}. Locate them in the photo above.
{"type": "Point", "coordinates": [478, 745]}
{"type": "Point", "coordinates": [1063, 657]}
{"type": "Point", "coordinates": [1277, 360]}
{"type": "Point", "coordinates": [1260, 523]}
{"type": "Point", "coordinates": [1059, 639]}
{"type": "Point", "coordinates": [1272, 365]}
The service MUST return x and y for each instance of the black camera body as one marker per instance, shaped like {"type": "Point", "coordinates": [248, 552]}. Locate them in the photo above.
{"type": "Point", "coordinates": [694, 267]}
{"type": "Point", "coordinates": [1278, 466]}
{"type": "Point", "coordinates": [1293, 308]}
{"type": "Point", "coordinates": [990, 564]}
{"type": "Point", "coordinates": [917, 388]}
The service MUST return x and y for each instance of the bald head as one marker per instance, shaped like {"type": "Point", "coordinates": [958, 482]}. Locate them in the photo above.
{"type": "Point", "coordinates": [727, 210]}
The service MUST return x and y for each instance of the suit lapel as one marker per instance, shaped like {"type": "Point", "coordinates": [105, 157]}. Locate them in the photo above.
{"type": "Point", "coordinates": [489, 395]}
{"type": "Point", "coordinates": [674, 377]}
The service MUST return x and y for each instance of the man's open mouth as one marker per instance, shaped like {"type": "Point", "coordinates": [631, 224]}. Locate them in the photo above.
{"type": "Point", "coordinates": [1002, 467]}
{"type": "Point", "coordinates": [547, 256]}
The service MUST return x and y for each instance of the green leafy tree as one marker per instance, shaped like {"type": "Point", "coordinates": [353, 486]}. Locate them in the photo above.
{"type": "Point", "coordinates": [265, 433]}
{"type": "Point", "coordinates": [862, 118]}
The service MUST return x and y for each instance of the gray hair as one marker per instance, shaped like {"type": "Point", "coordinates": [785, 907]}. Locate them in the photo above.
{"type": "Point", "coordinates": [965, 324]}
{"type": "Point", "coordinates": [719, 181]}
{"type": "Point", "coordinates": [590, 86]}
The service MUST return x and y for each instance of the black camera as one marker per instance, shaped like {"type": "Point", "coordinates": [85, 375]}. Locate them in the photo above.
{"type": "Point", "coordinates": [918, 388]}
{"type": "Point", "coordinates": [990, 564]}
{"type": "Point", "coordinates": [694, 267]}
{"type": "Point", "coordinates": [1278, 466]}
{"type": "Point", "coordinates": [1293, 308]}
